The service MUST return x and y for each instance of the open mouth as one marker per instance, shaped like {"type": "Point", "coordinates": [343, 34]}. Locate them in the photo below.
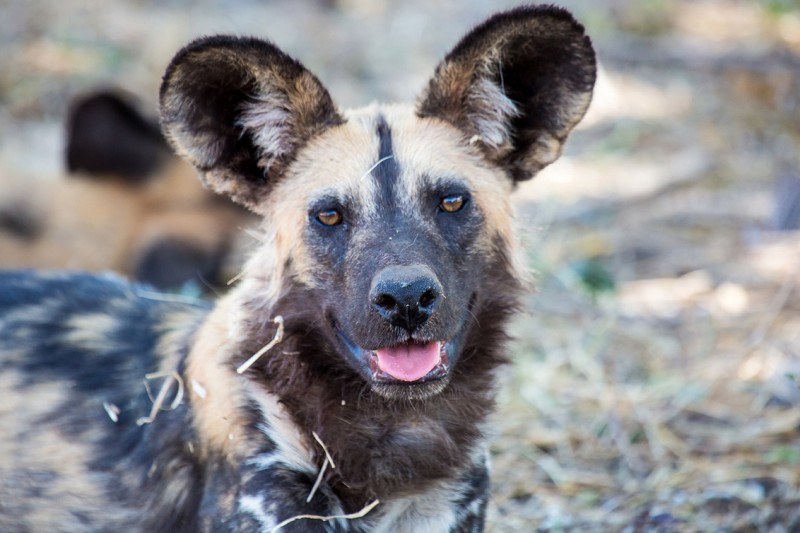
{"type": "Point", "coordinates": [409, 362]}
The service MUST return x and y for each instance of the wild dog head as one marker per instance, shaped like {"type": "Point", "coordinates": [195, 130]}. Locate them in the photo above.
{"type": "Point", "coordinates": [390, 224]}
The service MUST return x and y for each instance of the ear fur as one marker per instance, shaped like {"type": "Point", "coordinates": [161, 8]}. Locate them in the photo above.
{"type": "Point", "coordinates": [239, 109]}
{"type": "Point", "coordinates": [109, 138]}
{"type": "Point", "coordinates": [516, 85]}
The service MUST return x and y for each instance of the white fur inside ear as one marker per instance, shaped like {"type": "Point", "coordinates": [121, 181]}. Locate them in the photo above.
{"type": "Point", "coordinates": [271, 123]}
{"type": "Point", "coordinates": [491, 112]}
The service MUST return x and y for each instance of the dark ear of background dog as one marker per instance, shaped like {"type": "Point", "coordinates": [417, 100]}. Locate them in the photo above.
{"type": "Point", "coordinates": [108, 137]}
{"type": "Point", "coordinates": [127, 204]}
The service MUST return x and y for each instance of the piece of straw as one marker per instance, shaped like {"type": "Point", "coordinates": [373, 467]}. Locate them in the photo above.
{"type": "Point", "coordinates": [318, 481]}
{"type": "Point", "coordinates": [198, 389]}
{"type": "Point", "coordinates": [235, 278]}
{"type": "Point", "coordinates": [112, 411]}
{"type": "Point", "coordinates": [358, 514]}
{"type": "Point", "coordinates": [373, 167]}
{"type": "Point", "coordinates": [324, 448]}
{"type": "Point", "coordinates": [158, 402]}
{"type": "Point", "coordinates": [328, 459]}
{"type": "Point", "coordinates": [275, 340]}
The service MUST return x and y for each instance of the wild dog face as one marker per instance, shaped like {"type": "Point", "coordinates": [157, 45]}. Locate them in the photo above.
{"type": "Point", "coordinates": [389, 222]}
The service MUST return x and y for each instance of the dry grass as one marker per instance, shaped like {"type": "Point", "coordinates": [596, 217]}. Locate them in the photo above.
{"type": "Point", "coordinates": [657, 377]}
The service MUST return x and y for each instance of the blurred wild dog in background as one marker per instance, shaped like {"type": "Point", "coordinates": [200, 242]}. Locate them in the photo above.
{"type": "Point", "coordinates": [126, 204]}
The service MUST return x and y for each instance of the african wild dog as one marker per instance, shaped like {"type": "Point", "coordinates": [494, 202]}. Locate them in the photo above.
{"type": "Point", "coordinates": [127, 203]}
{"type": "Point", "coordinates": [376, 306]}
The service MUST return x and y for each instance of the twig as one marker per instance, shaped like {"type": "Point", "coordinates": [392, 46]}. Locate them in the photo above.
{"type": "Point", "coordinates": [275, 340]}
{"type": "Point", "coordinates": [235, 278]}
{"type": "Point", "coordinates": [162, 394]}
{"type": "Point", "coordinates": [112, 411]}
{"type": "Point", "coordinates": [318, 481]}
{"type": "Point", "coordinates": [328, 459]}
{"type": "Point", "coordinates": [198, 389]}
{"type": "Point", "coordinates": [324, 448]}
{"type": "Point", "coordinates": [359, 514]}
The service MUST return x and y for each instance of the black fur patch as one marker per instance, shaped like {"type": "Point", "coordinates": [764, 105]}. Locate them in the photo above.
{"type": "Point", "coordinates": [536, 58]}
{"type": "Point", "coordinates": [387, 169]}
{"type": "Point", "coordinates": [21, 221]}
{"type": "Point", "coordinates": [171, 263]}
{"type": "Point", "coordinates": [107, 137]}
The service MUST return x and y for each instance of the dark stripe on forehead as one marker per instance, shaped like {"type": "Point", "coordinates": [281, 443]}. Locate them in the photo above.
{"type": "Point", "coordinates": [387, 170]}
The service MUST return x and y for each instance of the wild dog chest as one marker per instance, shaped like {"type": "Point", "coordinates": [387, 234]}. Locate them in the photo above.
{"type": "Point", "coordinates": [345, 382]}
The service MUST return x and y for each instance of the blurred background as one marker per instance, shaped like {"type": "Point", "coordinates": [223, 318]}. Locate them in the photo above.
{"type": "Point", "coordinates": [656, 376]}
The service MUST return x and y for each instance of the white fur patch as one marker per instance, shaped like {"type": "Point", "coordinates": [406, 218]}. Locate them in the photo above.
{"type": "Point", "coordinates": [291, 448]}
{"type": "Point", "coordinates": [254, 506]}
{"type": "Point", "coordinates": [429, 511]}
{"type": "Point", "coordinates": [271, 123]}
{"type": "Point", "coordinates": [491, 113]}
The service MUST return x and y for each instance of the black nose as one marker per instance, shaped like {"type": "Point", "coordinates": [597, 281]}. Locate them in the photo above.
{"type": "Point", "coordinates": [405, 296]}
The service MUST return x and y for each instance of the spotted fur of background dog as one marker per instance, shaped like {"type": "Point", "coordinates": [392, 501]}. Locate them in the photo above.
{"type": "Point", "coordinates": [351, 371]}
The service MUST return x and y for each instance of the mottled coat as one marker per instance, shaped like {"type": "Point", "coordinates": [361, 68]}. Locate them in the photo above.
{"type": "Point", "coordinates": [355, 360]}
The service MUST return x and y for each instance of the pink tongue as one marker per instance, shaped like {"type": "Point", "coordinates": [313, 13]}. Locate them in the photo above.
{"type": "Point", "coordinates": [409, 362]}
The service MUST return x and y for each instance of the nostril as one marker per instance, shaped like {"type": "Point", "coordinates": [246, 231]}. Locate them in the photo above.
{"type": "Point", "coordinates": [385, 302]}
{"type": "Point", "coordinates": [428, 298]}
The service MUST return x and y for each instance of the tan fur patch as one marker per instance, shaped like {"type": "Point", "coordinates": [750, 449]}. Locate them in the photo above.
{"type": "Point", "coordinates": [90, 332]}
{"type": "Point", "coordinates": [218, 408]}
{"type": "Point", "coordinates": [292, 448]}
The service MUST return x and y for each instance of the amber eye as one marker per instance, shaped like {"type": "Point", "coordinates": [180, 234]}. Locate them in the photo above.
{"type": "Point", "coordinates": [331, 217]}
{"type": "Point", "coordinates": [453, 203]}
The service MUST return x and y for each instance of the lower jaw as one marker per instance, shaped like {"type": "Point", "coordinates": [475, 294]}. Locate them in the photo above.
{"type": "Point", "coordinates": [415, 390]}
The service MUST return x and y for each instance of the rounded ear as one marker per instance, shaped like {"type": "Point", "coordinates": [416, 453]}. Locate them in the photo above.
{"type": "Point", "coordinates": [516, 86]}
{"type": "Point", "coordinates": [239, 109]}
{"type": "Point", "coordinates": [109, 138]}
